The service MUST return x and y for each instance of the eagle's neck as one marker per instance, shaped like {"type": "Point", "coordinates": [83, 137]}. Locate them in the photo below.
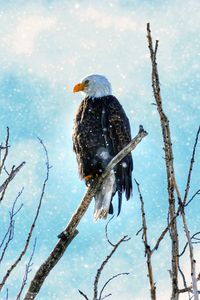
{"type": "Point", "coordinates": [94, 99]}
{"type": "Point", "coordinates": [98, 92]}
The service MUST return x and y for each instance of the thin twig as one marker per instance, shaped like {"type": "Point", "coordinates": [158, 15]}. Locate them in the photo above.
{"type": "Point", "coordinates": [108, 281]}
{"type": "Point", "coordinates": [6, 150]}
{"type": "Point", "coordinates": [99, 271]}
{"type": "Point", "coordinates": [7, 294]}
{"type": "Point", "coordinates": [27, 271]}
{"type": "Point", "coordinates": [195, 194]}
{"type": "Point", "coordinates": [184, 282]}
{"type": "Point", "coordinates": [10, 231]}
{"type": "Point", "coordinates": [83, 295]}
{"type": "Point", "coordinates": [106, 296]}
{"type": "Point", "coordinates": [106, 230]}
{"type": "Point", "coordinates": [185, 247]}
{"type": "Point", "coordinates": [138, 232]}
{"type": "Point", "coordinates": [161, 237]}
{"type": "Point", "coordinates": [191, 167]}
{"type": "Point", "coordinates": [12, 174]}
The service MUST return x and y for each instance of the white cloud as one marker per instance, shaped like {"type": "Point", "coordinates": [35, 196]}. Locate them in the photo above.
{"type": "Point", "coordinates": [104, 19]}
{"type": "Point", "coordinates": [23, 38]}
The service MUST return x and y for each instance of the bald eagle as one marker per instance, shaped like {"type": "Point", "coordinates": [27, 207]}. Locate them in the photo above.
{"type": "Point", "coordinates": [101, 130]}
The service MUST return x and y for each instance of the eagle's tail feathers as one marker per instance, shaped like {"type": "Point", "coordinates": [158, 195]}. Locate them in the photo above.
{"type": "Point", "coordinates": [111, 210]}
{"type": "Point", "coordinates": [128, 186]}
{"type": "Point", "coordinates": [119, 202]}
{"type": "Point", "coordinates": [104, 196]}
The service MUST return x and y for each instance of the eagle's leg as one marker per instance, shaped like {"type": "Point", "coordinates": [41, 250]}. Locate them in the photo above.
{"type": "Point", "coordinates": [104, 196]}
{"type": "Point", "coordinates": [88, 177]}
{"type": "Point", "coordinates": [89, 180]}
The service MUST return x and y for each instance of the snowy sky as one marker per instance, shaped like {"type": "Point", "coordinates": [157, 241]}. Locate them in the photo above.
{"type": "Point", "coordinates": [48, 46]}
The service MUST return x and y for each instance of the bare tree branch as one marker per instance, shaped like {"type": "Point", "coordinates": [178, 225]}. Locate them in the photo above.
{"type": "Point", "coordinates": [168, 161]}
{"type": "Point", "coordinates": [10, 231]}
{"type": "Point", "coordinates": [27, 271]}
{"type": "Point", "coordinates": [13, 266]}
{"type": "Point", "coordinates": [6, 150]}
{"type": "Point", "coordinates": [70, 232]}
{"type": "Point", "coordinates": [187, 232]}
{"type": "Point", "coordinates": [185, 247]}
{"type": "Point", "coordinates": [195, 194]}
{"type": "Point", "coordinates": [191, 167]}
{"type": "Point", "coordinates": [106, 296]}
{"type": "Point", "coordinates": [83, 295]}
{"type": "Point", "coordinates": [107, 282]}
{"type": "Point", "coordinates": [184, 283]}
{"type": "Point", "coordinates": [12, 174]}
{"type": "Point", "coordinates": [99, 271]}
{"type": "Point", "coordinates": [148, 251]}
{"type": "Point", "coordinates": [161, 237]}
{"type": "Point", "coordinates": [106, 230]}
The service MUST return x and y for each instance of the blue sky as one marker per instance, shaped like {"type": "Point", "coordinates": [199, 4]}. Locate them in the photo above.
{"type": "Point", "coordinates": [47, 47]}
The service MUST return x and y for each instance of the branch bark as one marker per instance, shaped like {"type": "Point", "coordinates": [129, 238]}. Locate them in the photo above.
{"type": "Point", "coordinates": [168, 161]}
{"type": "Point", "coordinates": [148, 251]}
{"type": "Point", "coordinates": [70, 231]}
{"type": "Point", "coordinates": [189, 239]}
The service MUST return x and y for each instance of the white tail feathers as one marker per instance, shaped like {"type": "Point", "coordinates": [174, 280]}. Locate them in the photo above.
{"type": "Point", "coordinates": [103, 197]}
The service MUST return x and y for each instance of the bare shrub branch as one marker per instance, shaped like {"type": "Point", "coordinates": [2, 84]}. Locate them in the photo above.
{"type": "Point", "coordinates": [83, 294]}
{"type": "Point", "coordinates": [14, 265]}
{"type": "Point", "coordinates": [10, 177]}
{"type": "Point", "coordinates": [148, 251]}
{"type": "Point", "coordinates": [107, 282]}
{"type": "Point", "coordinates": [10, 232]}
{"type": "Point", "coordinates": [27, 271]}
{"type": "Point", "coordinates": [168, 161]}
{"type": "Point", "coordinates": [99, 271]}
{"type": "Point", "coordinates": [191, 167]}
{"type": "Point", "coordinates": [6, 151]}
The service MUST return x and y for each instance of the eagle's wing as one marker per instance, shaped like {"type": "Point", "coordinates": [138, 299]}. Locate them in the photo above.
{"type": "Point", "coordinates": [75, 137]}
{"type": "Point", "coordinates": [119, 133]}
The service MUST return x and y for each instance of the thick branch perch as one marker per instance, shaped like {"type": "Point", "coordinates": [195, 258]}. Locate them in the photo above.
{"type": "Point", "coordinates": [70, 232]}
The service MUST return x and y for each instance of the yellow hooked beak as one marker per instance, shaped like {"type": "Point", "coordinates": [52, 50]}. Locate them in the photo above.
{"type": "Point", "coordinates": [78, 87]}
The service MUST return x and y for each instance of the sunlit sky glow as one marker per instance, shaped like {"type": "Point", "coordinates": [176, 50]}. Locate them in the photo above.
{"type": "Point", "coordinates": [48, 46]}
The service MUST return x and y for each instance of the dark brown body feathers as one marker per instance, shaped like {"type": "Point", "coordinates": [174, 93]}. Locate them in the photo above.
{"type": "Point", "coordinates": [101, 130]}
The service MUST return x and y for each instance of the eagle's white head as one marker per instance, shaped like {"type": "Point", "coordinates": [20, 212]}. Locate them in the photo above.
{"type": "Point", "coordinates": [94, 86]}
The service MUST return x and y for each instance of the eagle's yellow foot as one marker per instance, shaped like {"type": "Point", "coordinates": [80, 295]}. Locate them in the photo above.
{"type": "Point", "coordinates": [88, 177]}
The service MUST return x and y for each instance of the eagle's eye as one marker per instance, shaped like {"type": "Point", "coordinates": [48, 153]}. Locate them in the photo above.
{"type": "Point", "coordinates": [86, 82]}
